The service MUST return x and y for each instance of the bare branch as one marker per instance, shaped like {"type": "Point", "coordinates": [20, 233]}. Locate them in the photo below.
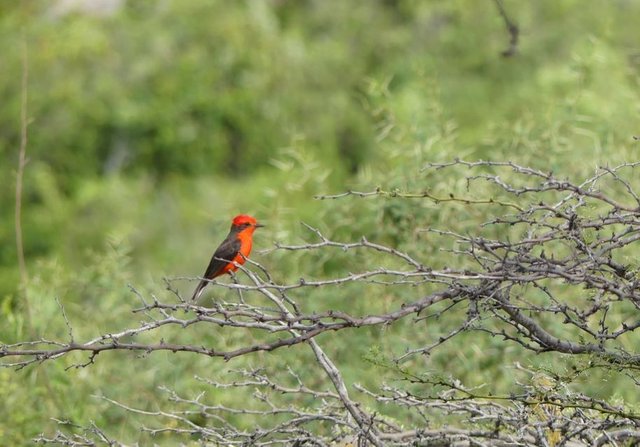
{"type": "Point", "coordinates": [512, 29]}
{"type": "Point", "coordinates": [552, 270]}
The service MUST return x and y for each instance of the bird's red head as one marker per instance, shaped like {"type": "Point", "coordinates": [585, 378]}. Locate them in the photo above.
{"type": "Point", "coordinates": [244, 220]}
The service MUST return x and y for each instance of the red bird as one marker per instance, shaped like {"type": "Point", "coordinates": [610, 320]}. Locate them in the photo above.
{"type": "Point", "coordinates": [235, 249]}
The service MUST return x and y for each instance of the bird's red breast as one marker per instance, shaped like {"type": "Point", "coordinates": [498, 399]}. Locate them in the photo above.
{"type": "Point", "coordinates": [246, 239]}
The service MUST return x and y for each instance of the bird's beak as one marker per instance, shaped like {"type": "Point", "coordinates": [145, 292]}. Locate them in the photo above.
{"type": "Point", "coordinates": [259, 225]}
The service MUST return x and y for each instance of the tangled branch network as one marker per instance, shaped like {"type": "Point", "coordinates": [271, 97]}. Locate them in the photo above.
{"type": "Point", "coordinates": [552, 272]}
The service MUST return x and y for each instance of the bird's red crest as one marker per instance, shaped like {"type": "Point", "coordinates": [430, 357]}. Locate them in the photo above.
{"type": "Point", "coordinates": [244, 219]}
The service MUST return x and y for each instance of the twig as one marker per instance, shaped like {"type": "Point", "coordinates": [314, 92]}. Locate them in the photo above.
{"type": "Point", "coordinates": [22, 162]}
{"type": "Point", "coordinates": [512, 29]}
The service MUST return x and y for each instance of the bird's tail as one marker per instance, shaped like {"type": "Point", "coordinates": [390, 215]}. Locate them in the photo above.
{"type": "Point", "coordinates": [199, 289]}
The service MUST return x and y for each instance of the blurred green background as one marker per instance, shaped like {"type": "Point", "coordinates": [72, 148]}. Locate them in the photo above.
{"type": "Point", "coordinates": [152, 123]}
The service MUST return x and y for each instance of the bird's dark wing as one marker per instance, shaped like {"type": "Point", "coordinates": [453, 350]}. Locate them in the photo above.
{"type": "Point", "coordinates": [223, 255]}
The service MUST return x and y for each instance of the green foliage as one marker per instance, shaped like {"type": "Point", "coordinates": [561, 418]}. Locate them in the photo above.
{"type": "Point", "coordinates": [153, 126]}
{"type": "Point", "coordinates": [187, 87]}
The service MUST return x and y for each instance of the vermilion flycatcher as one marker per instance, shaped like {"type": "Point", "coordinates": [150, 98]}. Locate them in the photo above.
{"type": "Point", "coordinates": [232, 251]}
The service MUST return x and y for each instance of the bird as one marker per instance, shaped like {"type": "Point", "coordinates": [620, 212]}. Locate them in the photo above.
{"type": "Point", "coordinates": [233, 251]}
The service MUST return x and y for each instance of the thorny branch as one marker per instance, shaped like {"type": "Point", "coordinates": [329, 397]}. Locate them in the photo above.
{"type": "Point", "coordinates": [552, 271]}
